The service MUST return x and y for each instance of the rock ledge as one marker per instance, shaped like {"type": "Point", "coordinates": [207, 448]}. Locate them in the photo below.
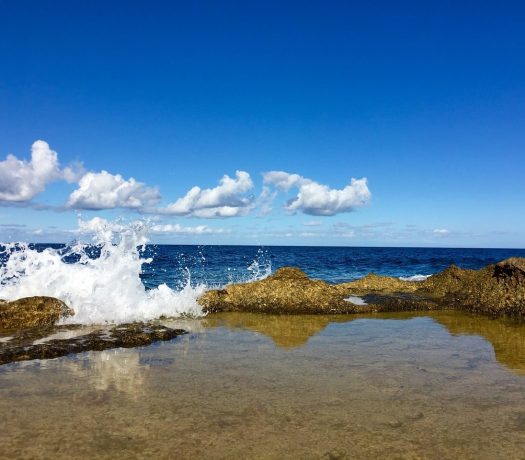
{"type": "Point", "coordinates": [497, 289]}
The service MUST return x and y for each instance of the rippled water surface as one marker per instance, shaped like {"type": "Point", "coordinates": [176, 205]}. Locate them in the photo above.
{"type": "Point", "coordinates": [444, 385]}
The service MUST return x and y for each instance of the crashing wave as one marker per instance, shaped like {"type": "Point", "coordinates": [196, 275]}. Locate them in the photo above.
{"type": "Point", "coordinates": [101, 289]}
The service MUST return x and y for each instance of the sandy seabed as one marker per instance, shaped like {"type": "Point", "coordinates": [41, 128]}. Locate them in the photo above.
{"type": "Point", "coordinates": [434, 385]}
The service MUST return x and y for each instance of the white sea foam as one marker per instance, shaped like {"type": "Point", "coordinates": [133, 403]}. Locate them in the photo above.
{"type": "Point", "coordinates": [260, 268]}
{"type": "Point", "coordinates": [100, 290]}
{"type": "Point", "coordinates": [414, 278]}
{"type": "Point", "coordinates": [356, 300]}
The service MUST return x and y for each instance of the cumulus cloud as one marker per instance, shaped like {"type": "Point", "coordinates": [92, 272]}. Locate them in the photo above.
{"type": "Point", "coordinates": [22, 180]}
{"type": "Point", "coordinates": [317, 199]}
{"type": "Point", "coordinates": [282, 180]}
{"type": "Point", "coordinates": [107, 191]}
{"type": "Point", "coordinates": [228, 199]}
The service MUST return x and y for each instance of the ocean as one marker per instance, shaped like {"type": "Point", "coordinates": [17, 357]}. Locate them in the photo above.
{"type": "Point", "coordinates": [218, 265]}
{"type": "Point", "coordinates": [118, 277]}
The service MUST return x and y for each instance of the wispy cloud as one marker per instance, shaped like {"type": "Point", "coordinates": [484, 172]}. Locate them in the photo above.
{"type": "Point", "coordinates": [312, 223]}
{"type": "Point", "coordinates": [441, 232]}
{"type": "Point", "coordinates": [177, 229]}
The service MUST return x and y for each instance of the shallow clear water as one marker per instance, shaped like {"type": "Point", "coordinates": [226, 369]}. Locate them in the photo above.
{"type": "Point", "coordinates": [440, 385]}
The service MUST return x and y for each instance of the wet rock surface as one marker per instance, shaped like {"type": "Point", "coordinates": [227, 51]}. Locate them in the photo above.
{"type": "Point", "coordinates": [54, 341]}
{"type": "Point", "coordinates": [32, 312]}
{"type": "Point", "coordinates": [497, 289]}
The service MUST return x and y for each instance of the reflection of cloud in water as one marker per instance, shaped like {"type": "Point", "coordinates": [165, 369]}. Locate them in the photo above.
{"type": "Point", "coordinates": [117, 370]}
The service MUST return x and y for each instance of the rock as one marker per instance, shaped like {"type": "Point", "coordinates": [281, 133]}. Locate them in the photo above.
{"type": "Point", "coordinates": [32, 312]}
{"type": "Point", "coordinates": [373, 283]}
{"type": "Point", "coordinates": [52, 342]}
{"type": "Point", "coordinates": [288, 290]}
{"type": "Point", "coordinates": [496, 290]}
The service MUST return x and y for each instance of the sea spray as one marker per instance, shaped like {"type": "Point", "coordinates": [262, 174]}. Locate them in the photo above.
{"type": "Point", "coordinates": [100, 289]}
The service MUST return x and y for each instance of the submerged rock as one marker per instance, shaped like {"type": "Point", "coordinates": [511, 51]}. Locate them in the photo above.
{"type": "Point", "coordinates": [52, 342]}
{"type": "Point", "coordinates": [32, 312]}
{"type": "Point", "coordinates": [496, 289]}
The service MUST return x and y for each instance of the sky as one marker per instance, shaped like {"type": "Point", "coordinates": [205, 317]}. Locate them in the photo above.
{"type": "Point", "coordinates": [348, 123]}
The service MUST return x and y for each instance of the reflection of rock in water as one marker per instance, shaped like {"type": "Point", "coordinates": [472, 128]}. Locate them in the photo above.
{"type": "Point", "coordinates": [287, 331]}
{"type": "Point", "coordinates": [507, 336]}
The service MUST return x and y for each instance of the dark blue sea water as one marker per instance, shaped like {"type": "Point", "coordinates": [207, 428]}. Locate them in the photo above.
{"type": "Point", "coordinates": [218, 265]}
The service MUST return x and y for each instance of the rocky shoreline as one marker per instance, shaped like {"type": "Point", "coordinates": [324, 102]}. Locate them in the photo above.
{"type": "Point", "coordinates": [28, 326]}
{"type": "Point", "coordinates": [55, 341]}
{"type": "Point", "coordinates": [497, 289]}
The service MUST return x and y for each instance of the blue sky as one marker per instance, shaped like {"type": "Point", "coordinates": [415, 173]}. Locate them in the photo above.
{"type": "Point", "coordinates": [426, 100]}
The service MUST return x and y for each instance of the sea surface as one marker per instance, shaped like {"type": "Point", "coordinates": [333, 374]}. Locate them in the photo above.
{"type": "Point", "coordinates": [422, 385]}
{"type": "Point", "coordinates": [219, 265]}
{"type": "Point", "coordinates": [117, 277]}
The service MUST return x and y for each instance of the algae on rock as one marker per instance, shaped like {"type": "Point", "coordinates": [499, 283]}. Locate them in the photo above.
{"type": "Point", "coordinates": [32, 312]}
{"type": "Point", "coordinates": [496, 289]}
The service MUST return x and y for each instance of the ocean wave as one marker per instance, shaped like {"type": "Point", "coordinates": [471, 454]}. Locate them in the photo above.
{"type": "Point", "coordinates": [101, 289]}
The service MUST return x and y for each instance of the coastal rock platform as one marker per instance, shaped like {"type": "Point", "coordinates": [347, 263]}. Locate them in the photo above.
{"type": "Point", "coordinates": [498, 289]}
{"type": "Point", "coordinates": [55, 341]}
{"type": "Point", "coordinates": [28, 327]}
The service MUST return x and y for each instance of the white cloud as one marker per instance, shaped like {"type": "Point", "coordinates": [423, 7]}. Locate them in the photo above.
{"type": "Point", "coordinates": [22, 180]}
{"type": "Point", "coordinates": [440, 231]}
{"type": "Point", "coordinates": [97, 225]}
{"type": "Point", "coordinates": [107, 191]}
{"type": "Point", "coordinates": [312, 223]}
{"type": "Point", "coordinates": [178, 229]}
{"type": "Point", "coordinates": [283, 180]}
{"type": "Point", "coordinates": [265, 200]}
{"type": "Point", "coordinates": [319, 200]}
{"type": "Point", "coordinates": [228, 199]}
{"type": "Point", "coordinates": [105, 229]}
